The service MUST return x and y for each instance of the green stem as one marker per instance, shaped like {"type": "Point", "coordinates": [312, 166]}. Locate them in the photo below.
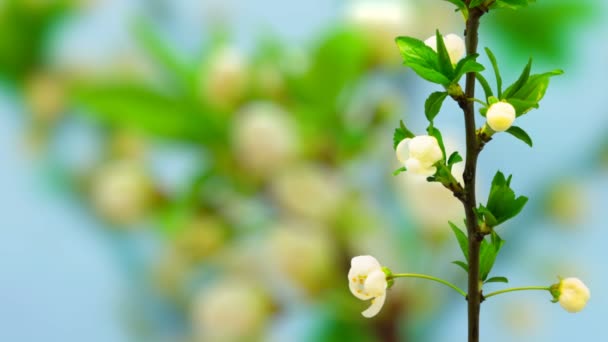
{"type": "Point", "coordinates": [513, 289]}
{"type": "Point", "coordinates": [428, 277]}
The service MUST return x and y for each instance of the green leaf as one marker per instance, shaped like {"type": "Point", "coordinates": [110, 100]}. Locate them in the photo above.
{"type": "Point", "coordinates": [454, 158]}
{"type": "Point", "coordinates": [422, 59]}
{"type": "Point", "coordinates": [433, 105]}
{"type": "Point", "coordinates": [511, 4]}
{"type": "Point", "coordinates": [487, 216]}
{"type": "Point", "coordinates": [475, 3]}
{"type": "Point", "coordinates": [445, 63]}
{"type": "Point", "coordinates": [462, 265]}
{"type": "Point", "coordinates": [462, 7]}
{"type": "Point", "coordinates": [485, 85]}
{"type": "Point", "coordinates": [437, 134]}
{"type": "Point", "coordinates": [488, 253]}
{"type": "Point", "coordinates": [497, 280]}
{"type": "Point", "coordinates": [521, 81]}
{"type": "Point", "coordinates": [496, 71]}
{"type": "Point", "coordinates": [520, 134]}
{"type": "Point", "coordinates": [502, 202]}
{"type": "Point", "coordinates": [401, 133]}
{"type": "Point", "coordinates": [530, 94]}
{"type": "Point", "coordinates": [462, 239]}
{"type": "Point", "coordinates": [467, 65]}
{"type": "Point", "coordinates": [399, 170]}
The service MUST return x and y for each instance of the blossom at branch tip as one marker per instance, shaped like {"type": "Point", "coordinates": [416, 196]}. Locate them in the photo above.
{"type": "Point", "coordinates": [572, 294]}
{"type": "Point", "coordinates": [419, 154]}
{"type": "Point", "coordinates": [453, 43]}
{"type": "Point", "coordinates": [367, 280]}
{"type": "Point", "coordinates": [500, 116]}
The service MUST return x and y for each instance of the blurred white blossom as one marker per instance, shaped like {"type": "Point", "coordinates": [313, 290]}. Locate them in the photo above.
{"type": "Point", "coordinates": [121, 191]}
{"type": "Point", "coordinates": [226, 78]}
{"type": "Point", "coordinates": [264, 137]}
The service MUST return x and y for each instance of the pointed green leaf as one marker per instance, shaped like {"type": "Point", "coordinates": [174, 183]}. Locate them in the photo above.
{"type": "Point", "coordinates": [422, 59]}
{"type": "Point", "coordinates": [445, 63]}
{"type": "Point", "coordinates": [497, 280]}
{"type": "Point", "coordinates": [521, 81]}
{"type": "Point", "coordinates": [462, 7]}
{"type": "Point", "coordinates": [487, 255]}
{"type": "Point", "coordinates": [467, 65]}
{"type": "Point", "coordinates": [462, 239]}
{"type": "Point", "coordinates": [496, 71]}
{"type": "Point", "coordinates": [401, 133]}
{"type": "Point", "coordinates": [399, 170]}
{"type": "Point", "coordinates": [454, 158]}
{"type": "Point", "coordinates": [462, 265]}
{"type": "Point", "coordinates": [532, 92]}
{"type": "Point", "coordinates": [433, 105]}
{"type": "Point", "coordinates": [502, 202]}
{"type": "Point", "coordinates": [475, 3]}
{"type": "Point", "coordinates": [437, 134]}
{"type": "Point", "coordinates": [485, 85]}
{"type": "Point", "coordinates": [520, 134]}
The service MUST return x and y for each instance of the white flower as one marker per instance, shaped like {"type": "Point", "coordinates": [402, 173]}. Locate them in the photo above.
{"type": "Point", "coordinates": [573, 294]}
{"type": "Point", "coordinates": [380, 22]}
{"type": "Point", "coordinates": [367, 280]}
{"type": "Point", "coordinates": [419, 154]}
{"type": "Point", "coordinates": [453, 43]}
{"type": "Point", "coordinates": [121, 191]}
{"type": "Point", "coordinates": [264, 137]}
{"type": "Point", "coordinates": [225, 81]}
{"type": "Point", "coordinates": [500, 116]}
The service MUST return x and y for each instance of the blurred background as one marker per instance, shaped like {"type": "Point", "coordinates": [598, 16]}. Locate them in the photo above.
{"type": "Point", "coordinates": [180, 170]}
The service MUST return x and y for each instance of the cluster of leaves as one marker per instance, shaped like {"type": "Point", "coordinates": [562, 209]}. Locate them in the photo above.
{"type": "Point", "coordinates": [489, 4]}
{"type": "Point", "coordinates": [524, 94]}
{"type": "Point", "coordinates": [435, 67]}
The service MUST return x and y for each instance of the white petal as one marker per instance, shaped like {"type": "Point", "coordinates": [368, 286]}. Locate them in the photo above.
{"type": "Point", "coordinates": [432, 42]}
{"type": "Point", "coordinates": [363, 265]}
{"type": "Point", "coordinates": [500, 116]}
{"type": "Point", "coordinates": [403, 150]}
{"type": "Point", "coordinates": [574, 294]}
{"type": "Point", "coordinates": [373, 310]}
{"type": "Point", "coordinates": [455, 46]}
{"type": "Point", "coordinates": [376, 283]}
{"type": "Point", "coordinates": [357, 290]}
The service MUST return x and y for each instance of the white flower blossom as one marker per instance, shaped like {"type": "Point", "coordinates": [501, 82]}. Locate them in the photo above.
{"type": "Point", "coordinates": [453, 43]}
{"type": "Point", "coordinates": [264, 137]}
{"type": "Point", "coordinates": [367, 280]}
{"type": "Point", "coordinates": [419, 154]}
{"type": "Point", "coordinates": [500, 116]}
{"type": "Point", "coordinates": [225, 82]}
{"type": "Point", "coordinates": [573, 294]}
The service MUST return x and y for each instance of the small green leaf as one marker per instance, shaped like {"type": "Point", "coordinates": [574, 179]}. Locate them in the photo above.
{"type": "Point", "coordinates": [497, 280]}
{"type": "Point", "coordinates": [475, 3]}
{"type": "Point", "coordinates": [422, 59]}
{"type": "Point", "coordinates": [399, 170]}
{"type": "Point", "coordinates": [401, 133]}
{"type": "Point", "coordinates": [488, 253]}
{"type": "Point", "coordinates": [511, 4]}
{"type": "Point", "coordinates": [433, 105]}
{"type": "Point", "coordinates": [520, 134]}
{"type": "Point", "coordinates": [454, 158]}
{"type": "Point", "coordinates": [462, 7]}
{"type": "Point", "coordinates": [467, 65]}
{"type": "Point", "coordinates": [485, 85]}
{"type": "Point", "coordinates": [532, 92]}
{"type": "Point", "coordinates": [502, 202]}
{"type": "Point", "coordinates": [462, 265]}
{"type": "Point", "coordinates": [521, 81]}
{"type": "Point", "coordinates": [462, 239]}
{"type": "Point", "coordinates": [445, 63]}
{"type": "Point", "coordinates": [496, 71]}
{"type": "Point", "coordinates": [437, 134]}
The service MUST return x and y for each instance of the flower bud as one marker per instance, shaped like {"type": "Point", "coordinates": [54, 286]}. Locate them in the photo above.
{"type": "Point", "coordinates": [500, 116]}
{"type": "Point", "coordinates": [226, 79]}
{"type": "Point", "coordinates": [453, 43]}
{"type": "Point", "coordinates": [571, 294]}
{"type": "Point", "coordinates": [419, 154]}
